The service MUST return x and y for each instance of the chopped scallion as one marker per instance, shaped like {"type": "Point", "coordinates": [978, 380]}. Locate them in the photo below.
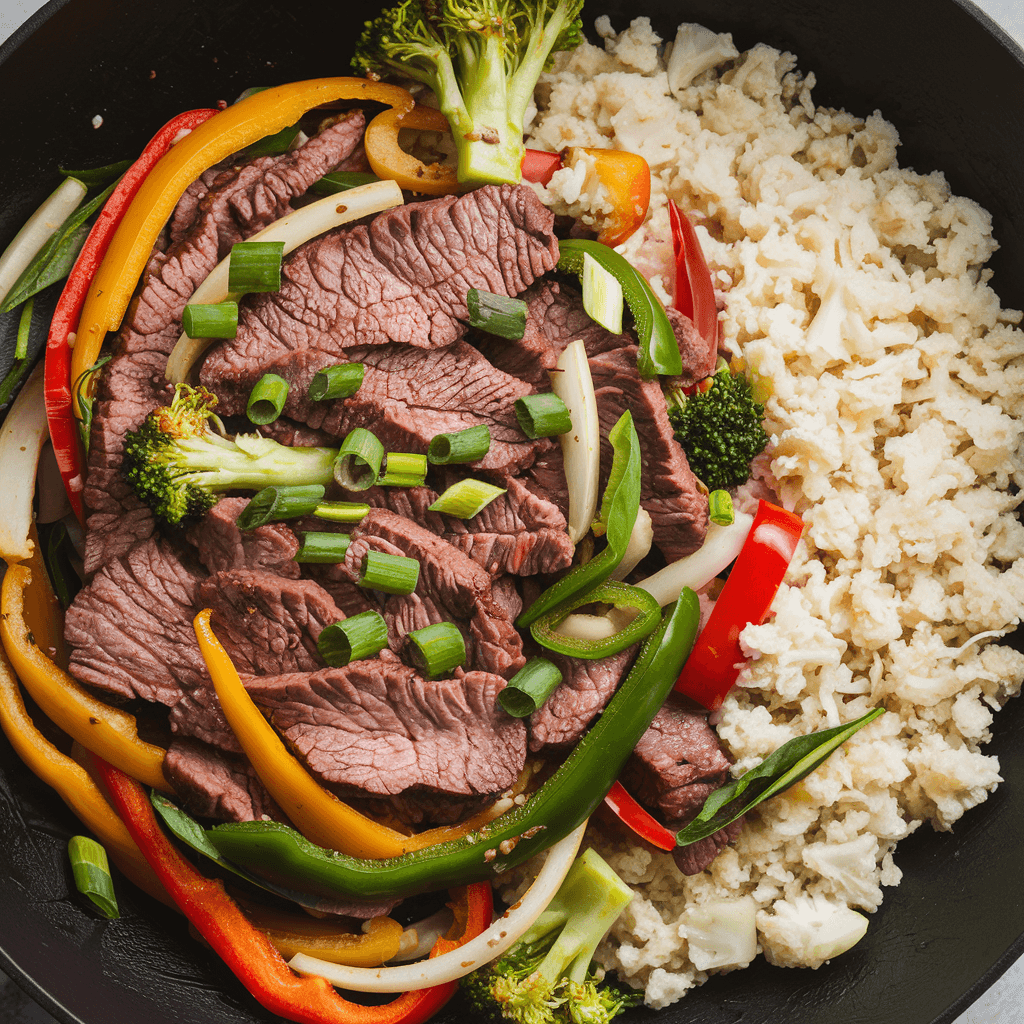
{"type": "Point", "coordinates": [467, 445]}
{"type": "Point", "coordinates": [543, 415]}
{"type": "Point", "coordinates": [322, 547]}
{"type": "Point", "coordinates": [359, 636]}
{"type": "Point", "coordinates": [392, 574]}
{"type": "Point", "coordinates": [273, 504]}
{"type": "Point", "coordinates": [267, 399]}
{"type": "Point", "coordinates": [720, 509]}
{"type": "Point", "coordinates": [341, 181]}
{"type": "Point", "coordinates": [341, 381]}
{"type": "Point", "coordinates": [530, 687]}
{"type": "Point", "coordinates": [602, 295]}
{"type": "Point", "coordinates": [403, 469]}
{"type": "Point", "coordinates": [500, 315]}
{"type": "Point", "coordinates": [359, 457]}
{"type": "Point", "coordinates": [255, 267]}
{"type": "Point", "coordinates": [210, 320]}
{"type": "Point", "coordinates": [91, 872]}
{"type": "Point", "coordinates": [341, 511]}
{"type": "Point", "coordinates": [436, 649]}
{"type": "Point", "coordinates": [465, 498]}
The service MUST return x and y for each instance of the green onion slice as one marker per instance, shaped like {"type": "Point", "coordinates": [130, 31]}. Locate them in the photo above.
{"type": "Point", "coordinates": [620, 595]}
{"type": "Point", "coordinates": [273, 504]}
{"type": "Point", "coordinates": [267, 398]}
{"type": "Point", "coordinates": [359, 457]}
{"type": "Point", "coordinates": [465, 498]}
{"type": "Point", "coordinates": [403, 469]}
{"type": "Point", "coordinates": [602, 295]}
{"type": "Point", "coordinates": [530, 687]}
{"type": "Point", "coordinates": [321, 547]}
{"type": "Point", "coordinates": [392, 574]}
{"type": "Point", "coordinates": [720, 508]}
{"type": "Point", "coordinates": [91, 872]}
{"type": "Point", "coordinates": [436, 649]}
{"type": "Point", "coordinates": [341, 511]}
{"type": "Point", "coordinates": [500, 315]}
{"type": "Point", "coordinates": [341, 181]}
{"type": "Point", "coordinates": [210, 320]}
{"type": "Point", "coordinates": [359, 636]}
{"type": "Point", "coordinates": [467, 445]}
{"type": "Point", "coordinates": [255, 267]}
{"type": "Point", "coordinates": [340, 381]}
{"type": "Point", "coordinates": [543, 415]}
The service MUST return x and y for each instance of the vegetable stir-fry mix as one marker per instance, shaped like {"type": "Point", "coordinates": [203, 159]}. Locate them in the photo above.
{"type": "Point", "coordinates": [615, 600]}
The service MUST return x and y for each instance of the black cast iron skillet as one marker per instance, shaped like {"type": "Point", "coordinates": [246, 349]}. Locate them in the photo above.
{"type": "Point", "coordinates": [953, 85]}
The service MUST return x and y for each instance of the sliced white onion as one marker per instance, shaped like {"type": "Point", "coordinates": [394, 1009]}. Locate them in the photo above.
{"type": "Point", "coordinates": [294, 230]}
{"type": "Point", "coordinates": [21, 440]}
{"type": "Point", "coordinates": [488, 945]}
{"type": "Point", "coordinates": [581, 446]}
{"type": "Point", "coordinates": [640, 541]}
{"type": "Point", "coordinates": [581, 626]}
{"type": "Point", "coordinates": [721, 546]}
{"type": "Point", "coordinates": [37, 230]}
{"type": "Point", "coordinates": [419, 938]}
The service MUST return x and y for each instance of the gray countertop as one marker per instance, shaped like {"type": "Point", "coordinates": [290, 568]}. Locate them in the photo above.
{"type": "Point", "coordinates": [1001, 1004]}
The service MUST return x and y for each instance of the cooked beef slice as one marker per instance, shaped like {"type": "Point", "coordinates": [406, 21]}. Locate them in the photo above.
{"type": "Point", "coordinates": [130, 629]}
{"type": "Point", "coordinates": [375, 726]}
{"type": "Point", "coordinates": [585, 689]}
{"type": "Point", "coordinates": [268, 624]}
{"type": "Point", "coordinates": [222, 545]}
{"type": "Point", "coordinates": [239, 202]}
{"type": "Point", "coordinates": [403, 278]}
{"type": "Point", "coordinates": [198, 715]}
{"type": "Point", "coordinates": [693, 859]}
{"type": "Point", "coordinates": [451, 587]}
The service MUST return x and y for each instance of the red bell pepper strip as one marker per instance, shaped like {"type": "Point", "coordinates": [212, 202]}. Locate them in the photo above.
{"type": "Point", "coordinates": [248, 951]}
{"type": "Point", "coordinates": [538, 166]}
{"type": "Point", "coordinates": [633, 816]}
{"type": "Point", "coordinates": [715, 662]}
{"type": "Point", "coordinates": [695, 293]}
{"type": "Point", "coordinates": [57, 383]}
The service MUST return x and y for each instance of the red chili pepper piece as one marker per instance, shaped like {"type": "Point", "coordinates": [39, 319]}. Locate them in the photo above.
{"type": "Point", "coordinates": [249, 953]}
{"type": "Point", "coordinates": [711, 670]}
{"type": "Point", "coordinates": [631, 814]}
{"type": "Point", "coordinates": [695, 293]}
{"type": "Point", "coordinates": [56, 383]}
{"type": "Point", "coordinates": [538, 166]}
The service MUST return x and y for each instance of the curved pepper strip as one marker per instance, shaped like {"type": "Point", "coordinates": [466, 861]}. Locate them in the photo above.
{"type": "Point", "coordinates": [241, 124]}
{"type": "Point", "coordinates": [58, 381]}
{"type": "Point", "coordinates": [746, 598]}
{"type": "Point", "coordinates": [320, 815]}
{"type": "Point", "coordinates": [389, 160]}
{"type": "Point", "coordinates": [107, 731]}
{"type": "Point", "coordinates": [249, 953]}
{"type": "Point", "coordinates": [565, 800]}
{"type": "Point", "coordinates": [695, 291]}
{"type": "Point", "coordinates": [626, 178]}
{"type": "Point", "coordinates": [633, 816]}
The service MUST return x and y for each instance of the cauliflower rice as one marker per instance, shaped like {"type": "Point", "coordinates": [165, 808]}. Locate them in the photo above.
{"type": "Point", "coordinates": [857, 291]}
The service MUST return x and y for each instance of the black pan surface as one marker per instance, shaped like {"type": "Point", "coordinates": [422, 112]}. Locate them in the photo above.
{"type": "Point", "coordinates": [953, 85]}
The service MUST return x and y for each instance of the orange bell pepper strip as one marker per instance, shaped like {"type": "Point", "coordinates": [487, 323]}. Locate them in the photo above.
{"type": "Point", "coordinates": [389, 160]}
{"type": "Point", "coordinates": [627, 179]}
{"type": "Point", "coordinates": [107, 731]}
{"type": "Point", "coordinates": [250, 954]}
{"type": "Point", "coordinates": [241, 124]}
{"type": "Point", "coordinates": [317, 813]}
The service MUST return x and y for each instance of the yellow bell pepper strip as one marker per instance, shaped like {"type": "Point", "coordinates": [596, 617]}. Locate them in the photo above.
{"type": "Point", "coordinates": [238, 126]}
{"type": "Point", "coordinates": [43, 613]}
{"type": "Point", "coordinates": [317, 813]}
{"type": "Point", "coordinates": [389, 160]}
{"type": "Point", "coordinates": [249, 953]}
{"type": "Point", "coordinates": [627, 180]}
{"type": "Point", "coordinates": [107, 731]}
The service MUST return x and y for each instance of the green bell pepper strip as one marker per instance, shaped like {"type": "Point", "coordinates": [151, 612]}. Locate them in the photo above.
{"type": "Point", "coordinates": [621, 595]}
{"type": "Point", "coordinates": [659, 349]}
{"type": "Point", "coordinates": [619, 509]}
{"type": "Point", "coordinates": [566, 800]}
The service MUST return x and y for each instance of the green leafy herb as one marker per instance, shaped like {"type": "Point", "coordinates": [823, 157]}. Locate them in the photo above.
{"type": "Point", "coordinates": [86, 399]}
{"type": "Point", "coordinates": [93, 177]}
{"type": "Point", "coordinates": [58, 552]}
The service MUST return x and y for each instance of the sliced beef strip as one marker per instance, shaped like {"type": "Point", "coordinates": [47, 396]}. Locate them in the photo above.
{"type": "Point", "coordinates": [585, 689]}
{"type": "Point", "coordinates": [239, 202]}
{"type": "Point", "coordinates": [376, 727]}
{"type": "Point", "coordinates": [198, 715]}
{"type": "Point", "coordinates": [222, 545]}
{"type": "Point", "coordinates": [403, 278]}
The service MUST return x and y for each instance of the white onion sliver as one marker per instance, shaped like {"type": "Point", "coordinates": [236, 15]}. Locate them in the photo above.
{"type": "Point", "coordinates": [487, 946]}
{"type": "Point", "coordinates": [721, 546]}
{"type": "Point", "coordinates": [418, 939]}
{"type": "Point", "coordinates": [640, 540]}
{"type": "Point", "coordinates": [581, 446]}
{"type": "Point", "coordinates": [37, 230]}
{"type": "Point", "coordinates": [294, 230]}
{"type": "Point", "coordinates": [22, 437]}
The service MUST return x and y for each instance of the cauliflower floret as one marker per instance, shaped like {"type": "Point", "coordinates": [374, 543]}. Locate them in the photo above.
{"type": "Point", "coordinates": [851, 868]}
{"type": "Point", "coordinates": [807, 931]}
{"type": "Point", "coordinates": [722, 934]}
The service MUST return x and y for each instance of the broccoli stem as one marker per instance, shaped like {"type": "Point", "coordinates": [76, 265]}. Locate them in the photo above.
{"type": "Point", "coordinates": [250, 462]}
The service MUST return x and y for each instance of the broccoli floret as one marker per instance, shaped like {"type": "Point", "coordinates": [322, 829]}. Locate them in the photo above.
{"type": "Point", "coordinates": [178, 464]}
{"type": "Point", "coordinates": [720, 429]}
{"type": "Point", "coordinates": [547, 976]}
{"type": "Point", "coordinates": [482, 58]}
